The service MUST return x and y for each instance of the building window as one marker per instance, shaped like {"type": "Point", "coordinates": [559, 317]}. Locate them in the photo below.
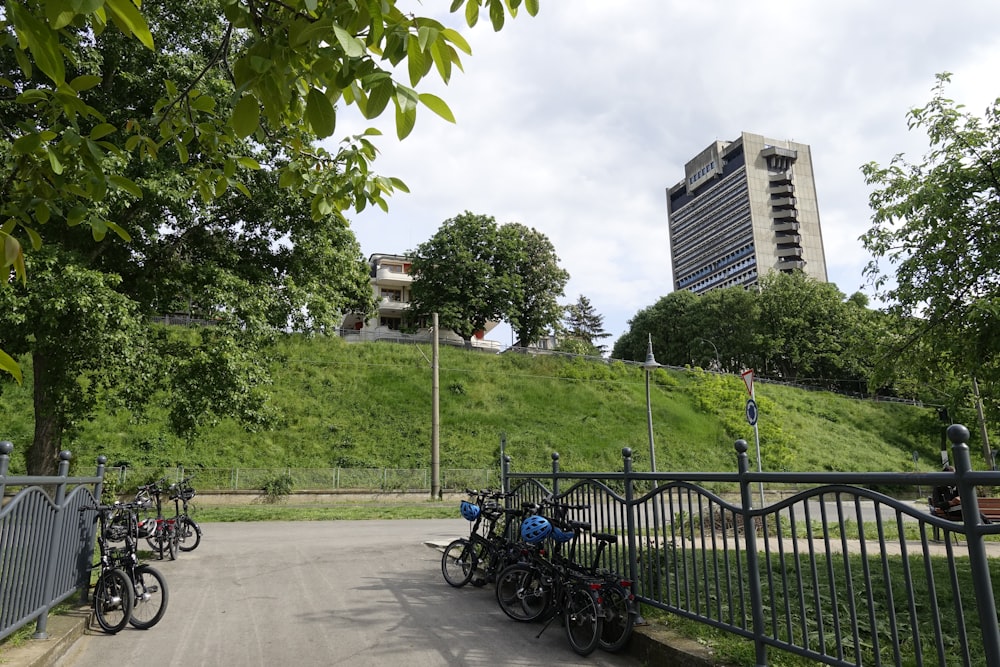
{"type": "Point", "coordinates": [392, 295]}
{"type": "Point", "coordinates": [393, 323]}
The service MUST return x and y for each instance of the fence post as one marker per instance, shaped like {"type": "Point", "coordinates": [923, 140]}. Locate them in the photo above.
{"type": "Point", "coordinates": [6, 447]}
{"type": "Point", "coordinates": [978, 560]}
{"type": "Point", "coordinates": [55, 544]}
{"type": "Point", "coordinates": [633, 560]}
{"type": "Point", "coordinates": [504, 479]}
{"type": "Point", "coordinates": [753, 560]}
{"type": "Point", "coordinates": [555, 473]}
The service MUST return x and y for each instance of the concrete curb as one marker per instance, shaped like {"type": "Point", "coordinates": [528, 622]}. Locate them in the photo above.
{"type": "Point", "coordinates": [63, 630]}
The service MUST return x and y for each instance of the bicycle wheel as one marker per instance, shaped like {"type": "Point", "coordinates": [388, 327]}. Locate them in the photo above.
{"type": "Point", "coordinates": [458, 562]}
{"type": "Point", "coordinates": [583, 621]}
{"type": "Point", "coordinates": [189, 534]}
{"type": "Point", "coordinates": [113, 600]}
{"type": "Point", "coordinates": [522, 592]}
{"type": "Point", "coordinates": [150, 597]}
{"type": "Point", "coordinates": [616, 628]}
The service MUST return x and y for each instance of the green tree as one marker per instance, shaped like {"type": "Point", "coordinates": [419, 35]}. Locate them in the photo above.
{"type": "Point", "coordinates": [671, 322]}
{"type": "Point", "coordinates": [460, 273]}
{"type": "Point", "coordinates": [68, 157]}
{"type": "Point", "coordinates": [582, 328]}
{"type": "Point", "coordinates": [533, 307]}
{"type": "Point", "coordinates": [934, 238]}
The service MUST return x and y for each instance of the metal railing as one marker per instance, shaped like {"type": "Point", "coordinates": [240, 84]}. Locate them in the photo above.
{"type": "Point", "coordinates": [839, 573]}
{"type": "Point", "coordinates": [45, 542]}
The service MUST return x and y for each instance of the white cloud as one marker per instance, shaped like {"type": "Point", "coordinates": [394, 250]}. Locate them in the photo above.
{"type": "Point", "coordinates": [575, 122]}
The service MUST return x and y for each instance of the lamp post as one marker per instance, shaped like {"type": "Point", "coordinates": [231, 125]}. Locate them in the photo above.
{"type": "Point", "coordinates": [650, 365]}
{"type": "Point", "coordinates": [718, 363]}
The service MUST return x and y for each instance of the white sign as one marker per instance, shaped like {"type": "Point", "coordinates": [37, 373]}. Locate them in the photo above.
{"type": "Point", "coordinates": [748, 381]}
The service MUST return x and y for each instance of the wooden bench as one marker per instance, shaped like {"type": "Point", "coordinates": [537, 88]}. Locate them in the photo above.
{"type": "Point", "coordinates": [988, 507]}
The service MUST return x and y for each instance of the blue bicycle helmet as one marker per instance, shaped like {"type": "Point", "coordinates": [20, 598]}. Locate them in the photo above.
{"type": "Point", "coordinates": [562, 535]}
{"type": "Point", "coordinates": [470, 511]}
{"type": "Point", "coordinates": [535, 528]}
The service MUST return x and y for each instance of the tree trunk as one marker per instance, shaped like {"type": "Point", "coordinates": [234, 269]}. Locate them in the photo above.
{"type": "Point", "coordinates": [43, 457]}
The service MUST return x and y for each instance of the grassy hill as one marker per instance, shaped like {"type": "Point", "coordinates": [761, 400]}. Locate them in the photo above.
{"type": "Point", "coordinates": [369, 405]}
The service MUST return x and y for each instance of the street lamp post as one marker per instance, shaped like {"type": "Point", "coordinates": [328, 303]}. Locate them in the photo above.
{"type": "Point", "coordinates": [718, 363]}
{"type": "Point", "coordinates": [650, 365]}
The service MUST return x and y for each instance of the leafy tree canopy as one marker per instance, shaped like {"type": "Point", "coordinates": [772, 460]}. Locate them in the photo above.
{"type": "Point", "coordinates": [72, 152]}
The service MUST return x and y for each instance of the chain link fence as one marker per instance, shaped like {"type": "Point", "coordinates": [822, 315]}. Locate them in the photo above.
{"type": "Point", "coordinates": [311, 479]}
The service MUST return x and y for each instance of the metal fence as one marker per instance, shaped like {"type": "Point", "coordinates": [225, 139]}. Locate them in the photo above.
{"type": "Point", "coordinates": [45, 542]}
{"type": "Point", "coordinates": [840, 573]}
{"type": "Point", "coordinates": [309, 479]}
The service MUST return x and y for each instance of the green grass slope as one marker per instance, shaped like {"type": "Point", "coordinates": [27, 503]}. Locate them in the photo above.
{"type": "Point", "coordinates": [370, 405]}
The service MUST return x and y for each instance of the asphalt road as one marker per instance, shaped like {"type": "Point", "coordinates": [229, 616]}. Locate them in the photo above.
{"type": "Point", "coordinates": [352, 593]}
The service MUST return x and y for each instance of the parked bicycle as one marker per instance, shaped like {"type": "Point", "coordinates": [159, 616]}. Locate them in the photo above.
{"type": "Point", "coordinates": [479, 557]}
{"type": "Point", "coordinates": [163, 537]}
{"type": "Point", "coordinates": [543, 589]}
{"type": "Point", "coordinates": [188, 530]}
{"type": "Point", "coordinates": [126, 591]}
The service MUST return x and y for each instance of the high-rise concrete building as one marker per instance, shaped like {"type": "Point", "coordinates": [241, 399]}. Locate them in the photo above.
{"type": "Point", "coordinates": [745, 208]}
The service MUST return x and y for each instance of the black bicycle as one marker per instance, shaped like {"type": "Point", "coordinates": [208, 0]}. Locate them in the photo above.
{"type": "Point", "coordinates": [187, 529]}
{"type": "Point", "coordinates": [163, 536]}
{"type": "Point", "coordinates": [541, 589]}
{"type": "Point", "coordinates": [478, 558]}
{"type": "Point", "coordinates": [126, 592]}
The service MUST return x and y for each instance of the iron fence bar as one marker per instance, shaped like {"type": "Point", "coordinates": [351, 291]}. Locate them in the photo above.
{"type": "Point", "coordinates": [753, 567]}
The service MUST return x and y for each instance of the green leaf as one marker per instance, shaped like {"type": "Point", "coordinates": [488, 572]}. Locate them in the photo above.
{"type": "Point", "coordinates": [58, 13]}
{"type": "Point", "coordinates": [353, 47]}
{"type": "Point", "coordinates": [472, 13]}
{"type": "Point", "coordinates": [497, 15]}
{"type": "Point", "coordinates": [456, 38]}
{"type": "Point", "coordinates": [438, 106]}
{"type": "Point", "coordinates": [41, 41]}
{"type": "Point", "coordinates": [11, 250]}
{"type": "Point", "coordinates": [85, 82]}
{"type": "Point", "coordinates": [532, 7]}
{"type": "Point", "coordinates": [248, 163]}
{"type": "Point", "coordinates": [102, 130]}
{"type": "Point", "coordinates": [8, 364]}
{"type": "Point", "coordinates": [124, 235]}
{"type": "Point", "coordinates": [406, 118]}
{"type": "Point", "coordinates": [246, 116]}
{"type": "Point", "coordinates": [27, 144]}
{"type": "Point", "coordinates": [378, 98]}
{"type": "Point", "coordinates": [203, 103]}
{"type": "Point", "coordinates": [125, 184]}
{"type": "Point", "coordinates": [54, 162]}
{"type": "Point", "coordinates": [128, 18]}
{"type": "Point", "coordinates": [320, 113]}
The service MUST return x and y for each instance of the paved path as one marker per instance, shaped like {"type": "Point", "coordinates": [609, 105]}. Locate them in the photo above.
{"type": "Point", "coordinates": [358, 593]}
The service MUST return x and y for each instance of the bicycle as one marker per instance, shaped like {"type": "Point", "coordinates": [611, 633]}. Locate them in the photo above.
{"type": "Point", "coordinates": [479, 557]}
{"type": "Point", "coordinates": [188, 530]}
{"type": "Point", "coordinates": [617, 600]}
{"type": "Point", "coordinates": [126, 592]}
{"type": "Point", "coordinates": [164, 535]}
{"type": "Point", "coordinates": [540, 589]}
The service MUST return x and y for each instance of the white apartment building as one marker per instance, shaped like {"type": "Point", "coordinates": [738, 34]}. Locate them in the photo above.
{"type": "Point", "coordinates": [391, 283]}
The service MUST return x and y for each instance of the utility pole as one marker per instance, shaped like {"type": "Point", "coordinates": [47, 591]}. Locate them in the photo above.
{"type": "Point", "coordinates": [987, 452]}
{"type": "Point", "coordinates": [435, 415]}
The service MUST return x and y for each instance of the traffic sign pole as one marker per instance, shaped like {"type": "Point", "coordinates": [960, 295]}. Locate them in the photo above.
{"type": "Point", "coordinates": [752, 408]}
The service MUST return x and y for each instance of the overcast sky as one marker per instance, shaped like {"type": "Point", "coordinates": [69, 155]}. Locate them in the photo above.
{"type": "Point", "coordinates": [575, 122]}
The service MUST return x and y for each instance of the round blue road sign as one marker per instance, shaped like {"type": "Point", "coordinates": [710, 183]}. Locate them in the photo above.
{"type": "Point", "coordinates": [752, 412]}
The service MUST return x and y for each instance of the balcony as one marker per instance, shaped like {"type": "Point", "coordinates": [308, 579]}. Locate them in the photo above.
{"type": "Point", "coordinates": [786, 226]}
{"type": "Point", "coordinates": [387, 305]}
{"type": "Point", "coordinates": [388, 277]}
{"type": "Point", "coordinates": [782, 202]}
